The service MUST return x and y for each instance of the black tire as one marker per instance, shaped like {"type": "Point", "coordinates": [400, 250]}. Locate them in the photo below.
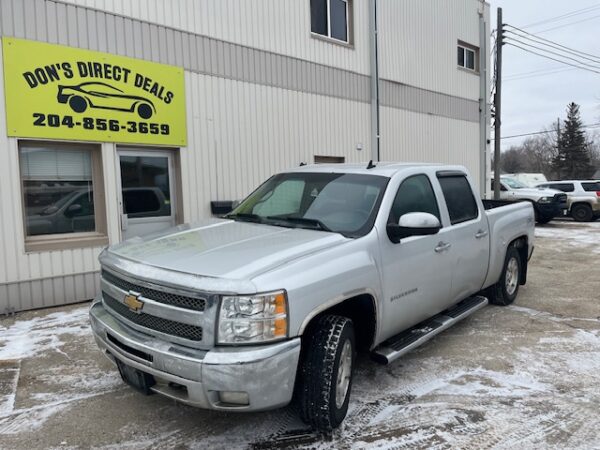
{"type": "Point", "coordinates": [582, 213]}
{"type": "Point", "coordinates": [78, 103]}
{"type": "Point", "coordinates": [144, 110]}
{"type": "Point", "coordinates": [504, 293]}
{"type": "Point", "coordinates": [318, 377]}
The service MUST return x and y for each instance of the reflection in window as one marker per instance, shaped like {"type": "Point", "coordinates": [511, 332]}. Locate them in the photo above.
{"type": "Point", "coordinates": [145, 184]}
{"type": "Point", "coordinates": [57, 189]}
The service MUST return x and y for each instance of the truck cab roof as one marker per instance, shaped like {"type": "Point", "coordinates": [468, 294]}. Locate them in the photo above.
{"type": "Point", "coordinates": [385, 169]}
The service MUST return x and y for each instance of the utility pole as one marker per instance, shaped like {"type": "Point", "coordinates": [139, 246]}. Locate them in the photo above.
{"type": "Point", "coordinates": [498, 105]}
{"type": "Point", "coordinates": [558, 145]}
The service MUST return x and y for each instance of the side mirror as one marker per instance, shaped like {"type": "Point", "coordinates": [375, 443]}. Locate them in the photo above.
{"type": "Point", "coordinates": [413, 224]}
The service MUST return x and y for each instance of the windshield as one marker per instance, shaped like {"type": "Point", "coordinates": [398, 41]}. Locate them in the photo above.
{"type": "Point", "coordinates": [512, 183]}
{"type": "Point", "coordinates": [337, 202]}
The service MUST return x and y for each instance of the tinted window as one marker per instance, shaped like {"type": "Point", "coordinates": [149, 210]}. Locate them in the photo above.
{"type": "Point", "coordinates": [330, 18]}
{"type": "Point", "coordinates": [459, 199]}
{"type": "Point", "coordinates": [565, 187]}
{"type": "Point", "coordinates": [414, 195]}
{"type": "Point", "coordinates": [591, 187]}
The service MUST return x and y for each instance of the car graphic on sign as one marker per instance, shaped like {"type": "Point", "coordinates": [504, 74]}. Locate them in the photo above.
{"type": "Point", "coordinates": [103, 96]}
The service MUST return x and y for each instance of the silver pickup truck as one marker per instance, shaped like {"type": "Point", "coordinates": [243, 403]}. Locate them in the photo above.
{"type": "Point", "coordinates": [273, 301]}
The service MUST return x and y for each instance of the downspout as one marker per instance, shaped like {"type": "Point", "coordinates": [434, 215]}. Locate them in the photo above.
{"type": "Point", "coordinates": [483, 102]}
{"type": "Point", "coordinates": [375, 154]}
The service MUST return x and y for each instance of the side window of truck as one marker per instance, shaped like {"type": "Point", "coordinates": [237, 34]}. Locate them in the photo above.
{"type": "Point", "coordinates": [459, 198]}
{"type": "Point", "coordinates": [415, 194]}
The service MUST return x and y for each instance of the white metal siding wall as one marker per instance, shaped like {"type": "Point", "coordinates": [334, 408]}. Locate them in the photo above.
{"type": "Point", "coordinates": [417, 43]}
{"type": "Point", "coordinates": [240, 133]}
{"type": "Point", "coordinates": [409, 136]}
{"type": "Point", "coordinates": [280, 26]}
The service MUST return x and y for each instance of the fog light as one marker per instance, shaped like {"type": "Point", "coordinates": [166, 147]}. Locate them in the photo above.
{"type": "Point", "coordinates": [234, 398]}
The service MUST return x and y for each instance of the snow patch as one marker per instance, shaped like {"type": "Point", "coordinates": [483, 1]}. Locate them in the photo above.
{"type": "Point", "coordinates": [27, 338]}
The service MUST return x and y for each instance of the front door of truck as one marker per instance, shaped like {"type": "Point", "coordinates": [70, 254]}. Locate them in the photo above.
{"type": "Point", "coordinates": [417, 270]}
{"type": "Point", "coordinates": [147, 191]}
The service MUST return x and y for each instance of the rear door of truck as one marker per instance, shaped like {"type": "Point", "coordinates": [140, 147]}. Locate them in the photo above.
{"type": "Point", "coordinates": [466, 229]}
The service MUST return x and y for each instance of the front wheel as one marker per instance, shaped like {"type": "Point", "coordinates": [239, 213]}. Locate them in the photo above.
{"type": "Point", "coordinates": [505, 291]}
{"type": "Point", "coordinates": [326, 372]}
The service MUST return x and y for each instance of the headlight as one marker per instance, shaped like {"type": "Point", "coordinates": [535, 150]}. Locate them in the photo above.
{"type": "Point", "coordinates": [545, 200]}
{"type": "Point", "coordinates": [248, 319]}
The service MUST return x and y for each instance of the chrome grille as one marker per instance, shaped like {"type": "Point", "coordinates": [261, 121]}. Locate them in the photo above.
{"type": "Point", "coordinates": [181, 330]}
{"type": "Point", "coordinates": [168, 298]}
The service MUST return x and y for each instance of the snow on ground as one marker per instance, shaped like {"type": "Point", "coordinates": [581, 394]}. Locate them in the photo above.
{"type": "Point", "coordinates": [47, 336]}
{"type": "Point", "coordinates": [26, 338]}
{"type": "Point", "coordinates": [572, 234]}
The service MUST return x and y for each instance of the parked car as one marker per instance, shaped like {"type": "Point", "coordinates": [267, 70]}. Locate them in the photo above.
{"type": "Point", "coordinates": [583, 197]}
{"type": "Point", "coordinates": [74, 212]}
{"type": "Point", "coordinates": [243, 313]}
{"type": "Point", "coordinates": [547, 203]}
{"type": "Point", "coordinates": [529, 179]}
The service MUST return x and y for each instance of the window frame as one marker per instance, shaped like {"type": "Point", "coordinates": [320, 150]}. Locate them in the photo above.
{"type": "Point", "coordinates": [66, 241]}
{"type": "Point", "coordinates": [349, 25]}
{"type": "Point", "coordinates": [472, 48]}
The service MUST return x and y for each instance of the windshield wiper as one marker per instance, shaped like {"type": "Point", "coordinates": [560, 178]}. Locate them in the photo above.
{"type": "Point", "coordinates": [302, 221]}
{"type": "Point", "coordinates": [245, 217]}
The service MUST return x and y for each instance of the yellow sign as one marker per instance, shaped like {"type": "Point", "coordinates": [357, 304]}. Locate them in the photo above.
{"type": "Point", "coordinates": [59, 92]}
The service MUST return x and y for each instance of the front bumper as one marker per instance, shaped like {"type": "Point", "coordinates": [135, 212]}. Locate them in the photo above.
{"type": "Point", "coordinates": [197, 377]}
{"type": "Point", "coordinates": [554, 209]}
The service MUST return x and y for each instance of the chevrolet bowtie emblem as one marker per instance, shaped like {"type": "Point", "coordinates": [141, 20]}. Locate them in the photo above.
{"type": "Point", "coordinates": [133, 302]}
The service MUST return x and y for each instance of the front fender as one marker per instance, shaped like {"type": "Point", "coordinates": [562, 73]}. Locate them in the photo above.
{"type": "Point", "coordinates": [320, 281]}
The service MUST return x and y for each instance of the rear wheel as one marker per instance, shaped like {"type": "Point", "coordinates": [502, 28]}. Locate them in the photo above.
{"type": "Point", "coordinates": [326, 372]}
{"type": "Point", "coordinates": [505, 291]}
{"type": "Point", "coordinates": [582, 213]}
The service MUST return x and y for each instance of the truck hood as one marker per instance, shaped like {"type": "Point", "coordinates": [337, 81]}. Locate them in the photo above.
{"type": "Point", "coordinates": [225, 248]}
{"type": "Point", "coordinates": [546, 192]}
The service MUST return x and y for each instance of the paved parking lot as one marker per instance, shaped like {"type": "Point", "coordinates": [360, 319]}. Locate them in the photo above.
{"type": "Point", "coordinates": [526, 376]}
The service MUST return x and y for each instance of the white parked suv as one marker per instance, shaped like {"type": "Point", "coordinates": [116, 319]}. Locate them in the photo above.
{"type": "Point", "coordinates": [583, 197]}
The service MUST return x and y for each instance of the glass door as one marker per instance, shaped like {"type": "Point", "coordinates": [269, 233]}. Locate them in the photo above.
{"type": "Point", "coordinates": [147, 189]}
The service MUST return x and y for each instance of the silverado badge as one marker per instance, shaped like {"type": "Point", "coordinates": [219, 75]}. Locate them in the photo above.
{"type": "Point", "coordinates": [133, 301]}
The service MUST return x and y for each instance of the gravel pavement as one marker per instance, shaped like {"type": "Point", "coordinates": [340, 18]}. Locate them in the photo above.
{"type": "Point", "coordinates": [525, 376]}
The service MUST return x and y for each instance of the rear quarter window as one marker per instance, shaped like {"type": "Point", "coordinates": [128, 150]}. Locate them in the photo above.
{"type": "Point", "coordinates": [461, 203]}
{"type": "Point", "coordinates": [591, 187]}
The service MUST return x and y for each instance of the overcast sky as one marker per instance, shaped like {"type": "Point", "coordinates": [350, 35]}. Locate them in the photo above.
{"type": "Point", "coordinates": [533, 102]}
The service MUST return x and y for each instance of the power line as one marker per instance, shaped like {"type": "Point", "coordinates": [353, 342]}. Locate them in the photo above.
{"type": "Point", "coordinates": [582, 63]}
{"type": "Point", "coordinates": [540, 74]}
{"type": "Point", "coordinates": [564, 16]}
{"type": "Point", "coordinates": [568, 24]}
{"type": "Point", "coordinates": [553, 59]}
{"type": "Point", "coordinates": [550, 43]}
{"type": "Point", "coordinates": [593, 125]}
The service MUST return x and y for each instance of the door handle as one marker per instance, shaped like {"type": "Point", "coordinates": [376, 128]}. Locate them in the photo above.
{"type": "Point", "coordinates": [442, 246]}
{"type": "Point", "coordinates": [481, 234]}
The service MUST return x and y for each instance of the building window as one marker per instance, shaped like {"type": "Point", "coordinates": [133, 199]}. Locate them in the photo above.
{"type": "Point", "coordinates": [331, 18]}
{"type": "Point", "coordinates": [329, 159]}
{"type": "Point", "coordinates": [63, 198]}
{"type": "Point", "coordinates": [468, 56]}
